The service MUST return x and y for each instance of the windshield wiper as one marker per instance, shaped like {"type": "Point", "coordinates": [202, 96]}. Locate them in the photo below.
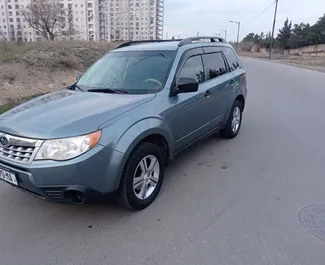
{"type": "Point", "coordinates": [78, 87]}
{"type": "Point", "coordinates": [75, 87]}
{"type": "Point", "coordinates": [108, 90]}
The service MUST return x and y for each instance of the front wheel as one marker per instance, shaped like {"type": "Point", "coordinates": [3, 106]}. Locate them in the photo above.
{"type": "Point", "coordinates": [142, 176]}
{"type": "Point", "coordinates": [234, 122]}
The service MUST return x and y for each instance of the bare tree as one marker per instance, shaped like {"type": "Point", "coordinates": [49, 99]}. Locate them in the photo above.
{"type": "Point", "coordinates": [4, 39]}
{"type": "Point", "coordinates": [48, 17]}
{"type": "Point", "coordinates": [19, 34]}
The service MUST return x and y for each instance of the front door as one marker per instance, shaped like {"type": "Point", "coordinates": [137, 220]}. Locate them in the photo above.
{"type": "Point", "coordinates": [189, 117]}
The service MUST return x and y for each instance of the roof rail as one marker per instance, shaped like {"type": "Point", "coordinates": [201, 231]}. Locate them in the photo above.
{"type": "Point", "coordinates": [199, 38]}
{"type": "Point", "coordinates": [129, 43]}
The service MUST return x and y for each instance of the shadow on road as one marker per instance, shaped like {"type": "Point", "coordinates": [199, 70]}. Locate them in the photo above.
{"type": "Point", "coordinates": [102, 213]}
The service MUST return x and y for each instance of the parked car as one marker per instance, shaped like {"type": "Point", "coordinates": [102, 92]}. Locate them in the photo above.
{"type": "Point", "coordinates": [116, 128]}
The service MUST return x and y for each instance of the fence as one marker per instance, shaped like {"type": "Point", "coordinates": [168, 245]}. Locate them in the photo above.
{"type": "Point", "coordinates": [314, 50]}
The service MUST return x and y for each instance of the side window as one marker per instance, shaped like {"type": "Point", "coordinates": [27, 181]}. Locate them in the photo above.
{"type": "Point", "coordinates": [214, 65]}
{"type": "Point", "coordinates": [232, 59]}
{"type": "Point", "coordinates": [193, 68]}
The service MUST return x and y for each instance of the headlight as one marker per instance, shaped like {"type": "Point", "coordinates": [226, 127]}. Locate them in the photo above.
{"type": "Point", "coordinates": [67, 148]}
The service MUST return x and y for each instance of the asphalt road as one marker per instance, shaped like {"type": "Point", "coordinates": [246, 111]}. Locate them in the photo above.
{"type": "Point", "coordinates": [224, 202]}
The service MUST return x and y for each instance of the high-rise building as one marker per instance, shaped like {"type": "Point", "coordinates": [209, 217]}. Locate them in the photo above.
{"type": "Point", "coordinates": [94, 20]}
{"type": "Point", "coordinates": [131, 19]}
{"type": "Point", "coordinates": [12, 25]}
{"type": "Point", "coordinates": [82, 18]}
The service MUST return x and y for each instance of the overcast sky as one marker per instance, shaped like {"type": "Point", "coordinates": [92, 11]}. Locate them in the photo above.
{"type": "Point", "coordinates": [187, 17]}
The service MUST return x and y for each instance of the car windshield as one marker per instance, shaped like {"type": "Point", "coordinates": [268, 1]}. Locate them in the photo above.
{"type": "Point", "coordinates": [131, 72]}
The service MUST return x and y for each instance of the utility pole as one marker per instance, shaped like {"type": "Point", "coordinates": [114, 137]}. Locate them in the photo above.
{"type": "Point", "coordinates": [238, 24]}
{"type": "Point", "coordinates": [271, 42]}
{"type": "Point", "coordinates": [166, 35]}
{"type": "Point", "coordinates": [225, 31]}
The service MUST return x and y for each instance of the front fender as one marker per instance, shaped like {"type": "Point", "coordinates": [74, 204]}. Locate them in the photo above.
{"type": "Point", "coordinates": [140, 130]}
{"type": "Point", "coordinates": [134, 134]}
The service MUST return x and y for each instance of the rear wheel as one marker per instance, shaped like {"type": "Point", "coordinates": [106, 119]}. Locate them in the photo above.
{"type": "Point", "coordinates": [233, 124]}
{"type": "Point", "coordinates": [142, 176]}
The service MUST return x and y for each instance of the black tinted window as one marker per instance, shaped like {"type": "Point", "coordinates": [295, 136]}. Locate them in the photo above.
{"type": "Point", "coordinates": [232, 59]}
{"type": "Point", "coordinates": [193, 68]}
{"type": "Point", "coordinates": [214, 65]}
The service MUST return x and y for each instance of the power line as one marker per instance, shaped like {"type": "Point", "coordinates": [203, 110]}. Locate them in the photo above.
{"type": "Point", "coordinates": [261, 13]}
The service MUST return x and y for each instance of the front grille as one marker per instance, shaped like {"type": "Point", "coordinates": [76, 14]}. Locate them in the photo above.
{"type": "Point", "coordinates": [17, 153]}
{"type": "Point", "coordinates": [18, 149]}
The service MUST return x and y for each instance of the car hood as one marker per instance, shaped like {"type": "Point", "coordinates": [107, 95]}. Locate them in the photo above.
{"type": "Point", "coordinates": [67, 113]}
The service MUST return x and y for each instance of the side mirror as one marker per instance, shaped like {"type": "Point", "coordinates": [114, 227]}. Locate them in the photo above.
{"type": "Point", "coordinates": [186, 85]}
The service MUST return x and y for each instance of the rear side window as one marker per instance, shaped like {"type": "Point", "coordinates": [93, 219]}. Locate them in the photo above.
{"type": "Point", "coordinates": [193, 68]}
{"type": "Point", "coordinates": [232, 59]}
{"type": "Point", "coordinates": [215, 65]}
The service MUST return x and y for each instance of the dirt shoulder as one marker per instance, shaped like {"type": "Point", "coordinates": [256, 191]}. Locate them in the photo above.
{"type": "Point", "coordinates": [37, 68]}
{"type": "Point", "coordinates": [312, 63]}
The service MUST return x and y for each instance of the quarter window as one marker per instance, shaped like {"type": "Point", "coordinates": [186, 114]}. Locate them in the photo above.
{"type": "Point", "coordinates": [193, 68]}
{"type": "Point", "coordinates": [232, 59]}
{"type": "Point", "coordinates": [215, 65]}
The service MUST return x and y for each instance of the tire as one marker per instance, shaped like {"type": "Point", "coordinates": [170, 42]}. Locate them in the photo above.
{"type": "Point", "coordinates": [230, 131]}
{"type": "Point", "coordinates": [139, 198]}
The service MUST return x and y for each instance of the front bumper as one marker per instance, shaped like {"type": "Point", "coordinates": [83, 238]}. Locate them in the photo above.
{"type": "Point", "coordinates": [91, 175]}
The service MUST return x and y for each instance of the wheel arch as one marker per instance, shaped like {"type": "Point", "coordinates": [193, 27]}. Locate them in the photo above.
{"type": "Point", "coordinates": [241, 99]}
{"type": "Point", "coordinates": [151, 130]}
{"type": "Point", "coordinates": [236, 96]}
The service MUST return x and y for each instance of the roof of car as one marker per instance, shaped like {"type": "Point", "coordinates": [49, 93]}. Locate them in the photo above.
{"type": "Point", "coordinates": [171, 45]}
{"type": "Point", "coordinates": [151, 46]}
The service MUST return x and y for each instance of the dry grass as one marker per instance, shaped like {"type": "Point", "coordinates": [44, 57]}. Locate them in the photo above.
{"type": "Point", "coordinates": [55, 55]}
{"type": "Point", "coordinates": [36, 68]}
{"type": "Point", "coordinates": [303, 61]}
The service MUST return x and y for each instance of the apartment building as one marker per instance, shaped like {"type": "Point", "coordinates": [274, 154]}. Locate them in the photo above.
{"type": "Point", "coordinates": [94, 20]}
{"type": "Point", "coordinates": [12, 25]}
{"type": "Point", "coordinates": [82, 15]}
{"type": "Point", "coordinates": [131, 19]}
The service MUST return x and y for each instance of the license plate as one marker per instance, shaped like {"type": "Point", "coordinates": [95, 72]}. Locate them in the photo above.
{"type": "Point", "coordinates": [9, 177]}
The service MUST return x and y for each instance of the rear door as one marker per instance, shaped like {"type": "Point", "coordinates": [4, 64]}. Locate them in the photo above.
{"type": "Point", "coordinates": [220, 82]}
{"type": "Point", "coordinates": [235, 66]}
{"type": "Point", "coordinates": [238, 72]}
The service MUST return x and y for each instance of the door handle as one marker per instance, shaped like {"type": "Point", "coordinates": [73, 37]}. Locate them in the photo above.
{"type": "Point", "coordinates": [207, 93]}
{"type": "Point", "coordinates": [232, 82]}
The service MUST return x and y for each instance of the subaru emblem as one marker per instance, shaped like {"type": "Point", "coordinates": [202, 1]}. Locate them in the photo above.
{"type": "Point", "coordinates": [4, 141]}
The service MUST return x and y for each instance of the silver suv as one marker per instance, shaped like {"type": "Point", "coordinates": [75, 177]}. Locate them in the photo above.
{"type": "Point", "coordinates": [114, 130]}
